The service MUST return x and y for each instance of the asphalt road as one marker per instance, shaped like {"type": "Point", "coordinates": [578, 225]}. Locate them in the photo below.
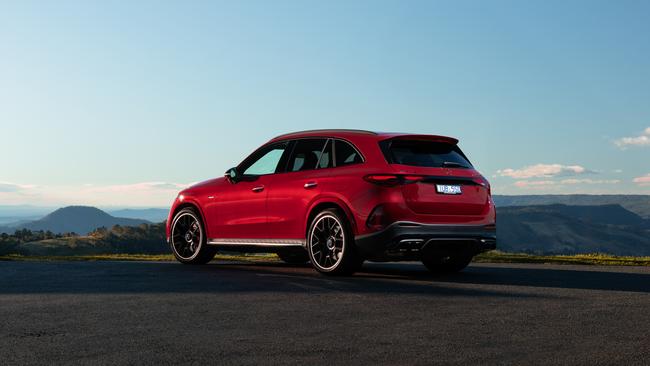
{"type": "Point", "coordinates": [229, 313]}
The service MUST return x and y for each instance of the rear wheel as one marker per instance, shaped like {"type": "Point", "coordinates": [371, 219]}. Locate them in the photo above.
{"type": "Point", "coordinates": [294, 257]}
{"type": "Point", "coordinates": [446, 263]}
{"type": "Point", "coordinates": [330, 244]}
{"type": "Point", "coordinates": [188, 240]}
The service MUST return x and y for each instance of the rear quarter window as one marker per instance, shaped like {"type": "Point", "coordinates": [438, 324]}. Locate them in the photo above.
{"type": "Point", "coordinates": [422, 153]}
{"type": "Point", "coordinates": [346, 154]}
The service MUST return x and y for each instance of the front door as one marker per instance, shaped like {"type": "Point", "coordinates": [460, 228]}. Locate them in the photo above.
{"type": "Point", "coordinates": [240, 211]}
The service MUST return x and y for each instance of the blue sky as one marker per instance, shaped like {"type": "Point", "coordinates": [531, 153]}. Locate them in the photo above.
{"type": "Point", "coordinates": [123, 103]}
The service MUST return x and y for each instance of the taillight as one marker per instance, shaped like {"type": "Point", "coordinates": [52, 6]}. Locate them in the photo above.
{"type": "Point", "coordinates": [406, 179]}
{"type": "Point", "coordinates": [480, 180]}
{"type": "Point", "coordinates": [383, 179]}
{"type": "Point", "coordinates": [392, 180]}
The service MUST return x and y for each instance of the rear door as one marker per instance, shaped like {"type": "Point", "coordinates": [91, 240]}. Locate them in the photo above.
{"type": "Point", "coordinates": [290, 193]}
{"type": "Point", "coordinates": [444, 182]}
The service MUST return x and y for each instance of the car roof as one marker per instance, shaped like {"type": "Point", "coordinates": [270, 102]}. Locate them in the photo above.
{"type": "Point", "coordinates": [353, 134]}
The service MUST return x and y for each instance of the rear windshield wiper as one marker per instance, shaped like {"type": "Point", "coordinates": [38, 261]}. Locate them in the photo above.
{"type": "Point", "coordinates": [453, 164]}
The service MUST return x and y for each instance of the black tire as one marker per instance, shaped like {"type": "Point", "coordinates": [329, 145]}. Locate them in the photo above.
{"type": "Point", "coordinates": [441, 263]}
{"type": "Point", "coordinates": [325, 241]}
{"type": "Point", "coordinates": [299, 256]}
{"type": "Point", "coordinates": [188, 240]}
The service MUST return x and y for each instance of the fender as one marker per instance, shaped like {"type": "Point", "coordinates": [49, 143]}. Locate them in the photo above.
{"type": "Point", "coordinates": [338, 200]}
{"type": "Point", "coordinates": [185, 199]}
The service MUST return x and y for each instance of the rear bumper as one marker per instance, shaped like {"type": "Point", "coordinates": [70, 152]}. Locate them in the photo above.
{"type": "Point", "coordinates": [406, 240]}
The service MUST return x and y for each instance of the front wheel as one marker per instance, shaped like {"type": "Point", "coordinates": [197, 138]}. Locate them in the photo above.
{"type": "Point", "coordinates": [188, 240]}
{"type": "Point", "coordinates": [330, 244]}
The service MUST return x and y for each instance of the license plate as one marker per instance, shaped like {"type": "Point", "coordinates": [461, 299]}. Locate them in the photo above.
{"type": "Point", "coordinates": [448, 189]}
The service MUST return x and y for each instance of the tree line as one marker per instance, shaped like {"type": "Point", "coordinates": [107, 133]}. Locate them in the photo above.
{"type": "Point", "coordinates": [145, 239]}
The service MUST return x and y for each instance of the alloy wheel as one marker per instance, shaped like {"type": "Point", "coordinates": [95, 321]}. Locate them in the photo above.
{"type": "Point", "coordinates": [187, 236]}
{"type": "Point", "coordinates": [327, 241]}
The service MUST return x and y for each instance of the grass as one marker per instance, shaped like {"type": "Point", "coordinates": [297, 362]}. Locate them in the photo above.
{"type": "Point", "coordinates": [133, 257]}
{"type": "Point", "coordinates": [589, 259]}
{"type": "Point", "coordinates": [489, 257]}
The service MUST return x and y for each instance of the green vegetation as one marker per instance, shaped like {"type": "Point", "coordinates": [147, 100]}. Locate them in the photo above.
{"type": "Point", "coordinates": [142, 239]}
{"type": "Point", "coordinates": [590, 259]}
{"type": "Point", "coordinates": [135, 257]}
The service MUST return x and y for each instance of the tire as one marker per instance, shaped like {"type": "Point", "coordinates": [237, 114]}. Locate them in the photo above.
{"type": "Point", "coordinates": [330, 244]}
{"type": "Point", "coordinates": [188, 240]}
{"type": "Point", "coordinates": [446, 263]}
{"type": "Point", "coordinates": [294, 257]}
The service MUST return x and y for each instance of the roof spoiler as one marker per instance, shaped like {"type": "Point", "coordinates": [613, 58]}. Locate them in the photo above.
{"type": "Point", "coordinates": [436, 138]}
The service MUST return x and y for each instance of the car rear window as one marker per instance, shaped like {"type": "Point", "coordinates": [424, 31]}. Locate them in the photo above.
{"type": "Point", "coordinates": [431, 154]}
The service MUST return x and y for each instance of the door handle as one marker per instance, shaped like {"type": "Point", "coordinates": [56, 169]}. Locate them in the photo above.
{"type": "Point", "coordinates": [310, 185]}
{"type": "Point", "coordinates": [258, 189]}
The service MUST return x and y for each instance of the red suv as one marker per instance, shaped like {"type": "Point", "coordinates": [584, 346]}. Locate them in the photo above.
{"type": "Point", "coordinates": [338, 197]}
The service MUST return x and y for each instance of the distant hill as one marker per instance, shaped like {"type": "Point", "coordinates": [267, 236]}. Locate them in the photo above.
{"type": "Point", "coordinates": [561, 229]}
{"type": "Point", "coordinates": [77, 219]}
{"type": "Point", "coordinates": [149, 214]}
{"type": "Point", "coordinates": [639, 204]}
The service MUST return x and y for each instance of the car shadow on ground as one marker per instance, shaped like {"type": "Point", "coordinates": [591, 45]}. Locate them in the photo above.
{"type": "Point", "coordinates": [274, 277]}
{"type": "Point", "coordinates": [215, 278]}
{"type": "Point", "coordinates": [590, 278]}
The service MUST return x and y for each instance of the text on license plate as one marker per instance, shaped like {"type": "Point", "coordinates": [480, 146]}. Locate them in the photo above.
{"type": "Point", "coordinates": [448, 189]}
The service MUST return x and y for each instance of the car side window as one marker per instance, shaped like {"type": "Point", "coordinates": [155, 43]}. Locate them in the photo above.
{"type": "Point", "coordinates": [265, 161]}
{"type": "Point", "coordinates": [346, 154]}
{"type": "Point", "coordinates": [306, 154]}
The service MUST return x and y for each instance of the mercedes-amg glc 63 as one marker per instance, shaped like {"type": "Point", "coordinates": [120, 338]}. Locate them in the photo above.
{"type": "Point", "coordinates": [336, 198]}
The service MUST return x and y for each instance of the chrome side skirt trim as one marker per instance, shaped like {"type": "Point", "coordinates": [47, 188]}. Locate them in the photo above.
{"type": "Point", "coordinates": [258, 242]}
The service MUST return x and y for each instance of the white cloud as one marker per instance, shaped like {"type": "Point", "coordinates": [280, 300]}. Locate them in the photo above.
{"type": "Point", "coordinates": [538, 184]}
{"type": "Point", "coordinates": [136, 194]}
{"type": "Point", "coordinates": [13, 187]}
{"type": "Point", "coordinates": [543, 171]}
{"type": "Point", "coordinates": [589, 181]}
{"type": "Point", "coordinates": [555, 184]}
{"type": "Point", "coordinates": [642, 181]}
{"type": "Point", "coordinates": [136, 187]}
{"type": "Point", "coordinates": [641, 140]}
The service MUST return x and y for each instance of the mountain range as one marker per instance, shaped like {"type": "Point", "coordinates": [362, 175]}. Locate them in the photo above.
{"type": "Point", "coordinates": [149, 214]}
{"type": "Point", "coordinates": [545, 224]}
{"type": "Point", "coordinates": [639, 204]}
{"type": "Point", "coordinates": [563, 229]}
{"type": "Point", "coordinates": [74, 219]}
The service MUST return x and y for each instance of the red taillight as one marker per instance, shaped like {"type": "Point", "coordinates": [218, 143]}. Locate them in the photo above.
{"type": "Point", "coordinates": [412, 178]}
{"type": "Point", "coordinates": [383, 179]}
{"type": "Point", "coordinates": [392, 179]}
{"type": "Point", "coordinates": [480, 180]}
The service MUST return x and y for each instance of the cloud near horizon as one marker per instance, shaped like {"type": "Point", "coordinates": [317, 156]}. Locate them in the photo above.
{"type": "Point", "coordinates": [539, 184]}
{"type": "Point", "coordinates": [136, 194]}
{"type": "Point", "coordinates": [544, 171]}
{"type": "Point", "coordinates": [637, 141]}
{"type": "Point", "coordinates": [12, 187]}
{"type": "Point", "coordinates": [643, 180]}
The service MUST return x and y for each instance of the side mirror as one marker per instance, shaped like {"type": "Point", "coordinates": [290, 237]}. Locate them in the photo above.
{"type": "Point", "coordinates": [233, 175]}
